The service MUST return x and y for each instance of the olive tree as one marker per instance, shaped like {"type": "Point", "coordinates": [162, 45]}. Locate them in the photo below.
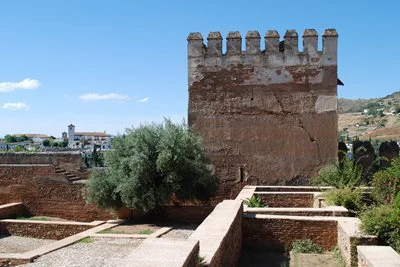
{"type": "Point", "coordinates": [148, 165]}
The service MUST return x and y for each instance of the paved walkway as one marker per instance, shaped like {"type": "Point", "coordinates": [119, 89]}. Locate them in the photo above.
{"type": "Point", "coordinates": [19, 244]}
{"type": "Point", "coordinates": [91, 251]}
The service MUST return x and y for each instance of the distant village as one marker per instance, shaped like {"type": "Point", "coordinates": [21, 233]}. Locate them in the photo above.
{"type": "Point", "coordinates": [70, 140]}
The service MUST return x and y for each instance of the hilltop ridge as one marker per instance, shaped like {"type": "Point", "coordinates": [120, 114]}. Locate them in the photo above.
{"type": "Point", "coordinates": [374, 118]}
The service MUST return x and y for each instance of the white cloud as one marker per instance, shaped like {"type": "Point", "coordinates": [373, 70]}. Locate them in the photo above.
{"type": "Point", "coordinates": [15, 106]}
{"type": "Point", "coordinates": [25, 84]}
{"type": "Point", "coordinates": [111, 96]}
{"type": "Point", "coordinates": [143, 100]}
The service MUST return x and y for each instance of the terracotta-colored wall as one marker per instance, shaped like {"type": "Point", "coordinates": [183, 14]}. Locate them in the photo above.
{"type": "Point", "coordinates": [266, 117]}
{"type": "Point", "coordinates": [71, 161]}
{"type": "Point", "coordinates": [293, 200]}
{"type": "Point", "coordinates": [46, 193]}
{"type": "Point", "coordinates": [45, 230]}
{"type": "Point", "coordinates": [12, 210]}
{"type": "Point", "coordinates": [279, 233]}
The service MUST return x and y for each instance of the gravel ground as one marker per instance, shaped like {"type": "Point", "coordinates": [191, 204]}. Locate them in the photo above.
{"type": "Point", "coordinates": [180, 231]}
{"type": "Point", "coordinates": [19, 244]}
{"type": "Point", "coordinates": [100, 252]}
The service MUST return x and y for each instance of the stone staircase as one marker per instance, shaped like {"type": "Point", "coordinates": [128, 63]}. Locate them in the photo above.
{"type": "Point", "coordinates": [73, 178]}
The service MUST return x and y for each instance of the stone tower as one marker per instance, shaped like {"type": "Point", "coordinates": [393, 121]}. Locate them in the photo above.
{"type": "Point", "coordinates": [71, 135]}
{"type": "Point", "coordinates": [267, 117]}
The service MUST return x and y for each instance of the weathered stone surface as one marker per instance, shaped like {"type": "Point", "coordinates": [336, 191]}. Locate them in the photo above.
{"type": "Point", "coordinates": [266, 118]}
{"type": "Point", "coordinates": [25, 183]}
{"type": "Point", "coordinates": [220, 235]}
{"type": "Point", "coordinates": [349, 237]}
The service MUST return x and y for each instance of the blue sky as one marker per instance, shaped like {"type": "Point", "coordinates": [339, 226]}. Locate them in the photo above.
{"type": "Point", "coordinates": [108, 65]}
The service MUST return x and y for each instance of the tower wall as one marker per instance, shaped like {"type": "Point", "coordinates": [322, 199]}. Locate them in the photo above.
{"type": "Point", "coordinates": [266, 117]}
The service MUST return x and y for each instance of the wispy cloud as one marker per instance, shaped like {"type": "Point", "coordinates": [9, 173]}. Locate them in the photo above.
{"type": "Point", "coordinates": [97, 97]}
{"type": "Point", "coordinates": [143, 100]}
{"type": "Point", "coordinates": [25, 84]}
{"type": "Point", "coordinates": [15, 106]}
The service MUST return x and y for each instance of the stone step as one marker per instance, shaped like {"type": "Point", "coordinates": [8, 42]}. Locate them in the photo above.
{"type": "Point", "coordinates": [80, 181]}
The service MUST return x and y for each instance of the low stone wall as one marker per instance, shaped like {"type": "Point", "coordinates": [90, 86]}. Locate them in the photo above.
{"type": "Point", "coordinates": [287, 199]}
{"type": "Point", "coordinates": [176, 214]}
{"type": "Point", "coordinates": [328, 211]}
{"type": "Point", "coordinates": [377, 256]}
{"type": "Point", "coordinates": [66, 201]}
{"type": "Point", "coordinates": [67, 160]}
{"type": "Point", "coordinates": [164, 252]}
{"type": "Point", "coordinates": [273, 188]}
{"type": "Point", "coordinates": [349, 237]}
{"type": "Point", "coordinates": [220, 235]}
{"type": "Point", "coordinates": [44, 229]}
{"type": "Point", "coordinates": [12, 210]}
{"type": "Point", "coordinates": [277, 233]}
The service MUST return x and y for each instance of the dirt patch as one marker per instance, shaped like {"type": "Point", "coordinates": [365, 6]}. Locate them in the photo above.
{"type": "Point", "coordinates": [132, 229]}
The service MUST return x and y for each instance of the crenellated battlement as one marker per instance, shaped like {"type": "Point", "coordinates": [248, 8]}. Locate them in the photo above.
{"type": "Point", "coordinates": [278, 51]}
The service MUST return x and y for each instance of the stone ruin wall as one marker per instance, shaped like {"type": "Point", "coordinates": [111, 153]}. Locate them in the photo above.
{"type": "Point", "coordinates": [267, 117]}
{"type": "Point", "coordinates": [31, 178]}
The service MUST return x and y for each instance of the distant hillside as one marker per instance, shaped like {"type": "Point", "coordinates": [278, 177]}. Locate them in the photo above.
{"type": "Point", "coordinates": [358, 105]}
{"type": "Point", "coordinates": [375, 118]}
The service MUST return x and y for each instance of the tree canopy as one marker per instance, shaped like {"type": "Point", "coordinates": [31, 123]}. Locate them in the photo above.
{"type": "Point", "coordinates": [148, 165]}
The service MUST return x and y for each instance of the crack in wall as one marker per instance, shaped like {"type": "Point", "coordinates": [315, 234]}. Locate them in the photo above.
{"type": "Point", "coordinates": [280, 104]}
{"type": "Point", "coordinates": [312, 139]}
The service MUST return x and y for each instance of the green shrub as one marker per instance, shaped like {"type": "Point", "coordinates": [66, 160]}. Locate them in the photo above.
{"type": "Point", "coordinates": [386, 183]}
{"type": "Point", "coordinates": [351, 199]}
{"type": "Point", "coordinates": [151, 164]}
{"type": "Point", "coordinates": [383, 221]}
{"type": "Point", "coordinates": [343, 174]}
{"type": "Point", "coordinates": [255, 202]}
{"type": "Point", "coordinates": [305, 246]}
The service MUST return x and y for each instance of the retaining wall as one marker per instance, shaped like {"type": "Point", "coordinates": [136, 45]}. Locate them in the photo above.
{"type": "Point", "coordinates": [44, 229]}
{"type": "Point", "coordinates": [45, 192]}
{"type": "Point", "coordinates": [277, 233]}
{"type": "Point", "coordinates": [220, 235]}
{"type": "Point", "coordinates": [12, 210]}
{"type": "Point", "coordinates": [287, 199]}
{"type": "Point", "coordinates": [328, 211]}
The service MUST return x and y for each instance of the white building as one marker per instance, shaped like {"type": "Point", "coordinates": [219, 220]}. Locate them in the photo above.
{"type": "Point", "coordinates": [88, 139]}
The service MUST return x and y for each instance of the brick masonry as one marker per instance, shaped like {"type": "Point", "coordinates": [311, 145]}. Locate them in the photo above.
{"type": "Point", "coordinates": [277, 233]}
{"type": "Point", "coordinates": [45, 192]}
{"type": "Point", "coordinates": [287, 199]}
